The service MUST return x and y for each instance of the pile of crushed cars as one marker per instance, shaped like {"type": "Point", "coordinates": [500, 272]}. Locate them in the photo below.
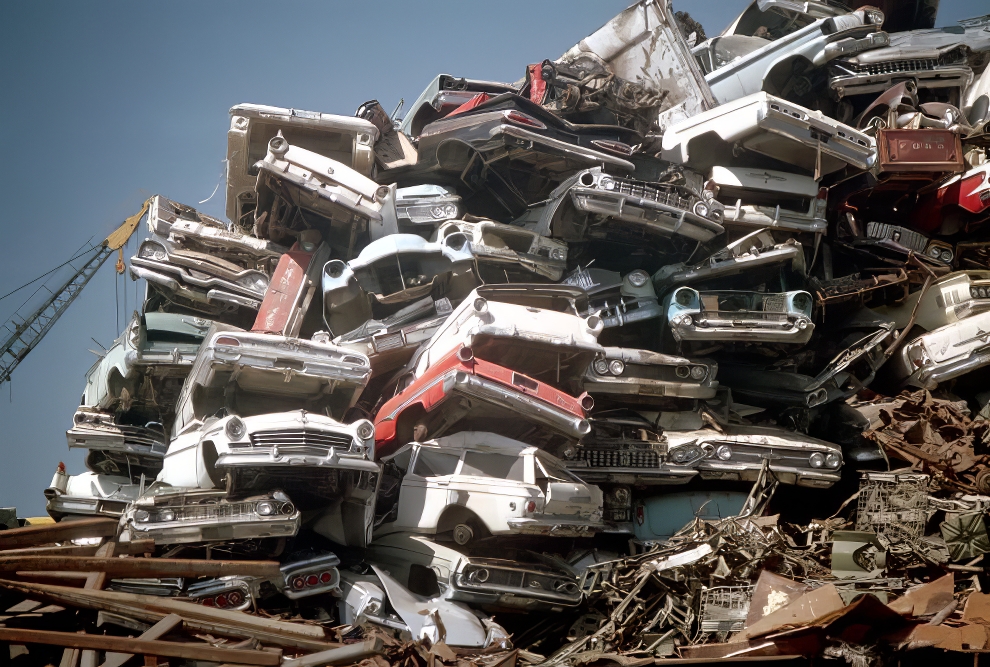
{"type": "Point", "coordinates": [674, 348]}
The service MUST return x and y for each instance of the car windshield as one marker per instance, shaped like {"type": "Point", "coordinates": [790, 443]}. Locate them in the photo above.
{"type": "Point", "coordinates": [730, 48]}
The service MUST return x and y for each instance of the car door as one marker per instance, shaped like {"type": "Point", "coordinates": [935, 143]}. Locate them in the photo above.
{"type": "Point", "coordinates": [425, 488]}
{"type": "Point", "coordinates": [566, 495]}
{"type": "Point", "coordinates": [492, 485]}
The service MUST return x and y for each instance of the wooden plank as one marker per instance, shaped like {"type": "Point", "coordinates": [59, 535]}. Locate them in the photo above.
{"type": "Point", "coordinates": [36, 536]}
{"type": "Point", "coordinates": [190, 651]}
{"type": "Point", "coordinates": [96, 581]}
{"type": "Point", "coordinates": [133, 548]}
{"type": "Point", "coordinates": [157, 631]}
{"type": "Point", "coordinates": [118, 568]}
{"type": "Point", "coordinates": [343, 655]}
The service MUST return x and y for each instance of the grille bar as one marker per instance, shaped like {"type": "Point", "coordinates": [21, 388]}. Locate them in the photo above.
{"type": "Point", "coordinates": [668, 195]}
{"type": "Point", "coordinates": [303, 438]}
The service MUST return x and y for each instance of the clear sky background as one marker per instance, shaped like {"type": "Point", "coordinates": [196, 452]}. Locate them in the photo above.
{"type": "Point", "coordinates": [107, 103]}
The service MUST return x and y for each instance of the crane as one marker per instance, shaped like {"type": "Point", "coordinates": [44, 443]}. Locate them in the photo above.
{"type": "Point", "coordinates": [24, 335]}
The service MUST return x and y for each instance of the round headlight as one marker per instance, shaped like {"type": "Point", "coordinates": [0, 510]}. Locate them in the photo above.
{"type": "Point", "coordinates": [287, 509]}
{"type": "Point", "coordinates": [235, 428]}
{"type": "Point", "coordinates": [699, 372]}
{"type": "Point", "coordinates": [833, 461]}
{"type": "Point", "coordinates": [682, 371]}
{"type": "Point", "coordinates": [366, 430]}
{"type": "Point", "coordinates": [480, 575]}
{"type": "Point", "coordinates": [438, 212]}
{"type": "Point", "coordinates": [683, 297]}
{"type": "Point", "coordinates": [480, 305]}
{"type": "Point", "coordinates": [946, 256]}
{"type": "Point", "coordinates": [141, 516]}
{"type": "Point", "coordinates": [166, 515]}
{"type": "Point", "coordinates": [559, 254]}
{"type": "Point", "coordinates": [817, 460]}
{"type": "Point", "coordinates": [638, 278]}
{"type": "Point", "coordinates": [601, 366]}
{"type": "Point", "coordinates": [680, 455]}
{"type": "Point", "coordinates": [265, 508]}
{"type": "Point", "coordinates": [616, 367]}
{"type": "Point", "coordinates": [724, 452]}
{"type": "Point", "coordinates": [935, 251]}
{"type": "Point", "coordinates": [701, 209]}
{"type": "Point", "coordinates": [152, 251]}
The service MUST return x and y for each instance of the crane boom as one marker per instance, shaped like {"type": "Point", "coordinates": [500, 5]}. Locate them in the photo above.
{"type": "Point", "coordinates": [25, 335]}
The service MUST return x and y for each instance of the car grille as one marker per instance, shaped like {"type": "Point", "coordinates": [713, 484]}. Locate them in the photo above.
{"type": "Point", "coordinates": [209, 512]}
{"type": "Point", "coordinates": [778, 456]}
{"type": "Point", "coordinates": [651, 372]}
{"type": "Point", "coordinates": [301, 441]}
{"type": "Point", "coordinates": [661, 194]}
{"type": "Point", "coordinates": [615, 458]}
{"type": "Point", "coordinates": [898, 66]}
{"type": "Point", "coordinates": [519, 579]}
{"type": "Point", "coordinates": [143, 437]}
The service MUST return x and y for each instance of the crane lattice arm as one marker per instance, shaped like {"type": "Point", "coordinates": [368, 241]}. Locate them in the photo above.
{"type": "Point", "coordinates": [24, 335]}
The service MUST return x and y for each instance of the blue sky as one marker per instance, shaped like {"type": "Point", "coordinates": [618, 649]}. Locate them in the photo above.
{"type": "Point", "coordinates": [108, 103]}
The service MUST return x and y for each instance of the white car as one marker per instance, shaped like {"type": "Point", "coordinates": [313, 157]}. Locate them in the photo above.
{"type": "Point", "coordinates": [946, 352]}
{"type": "Point", "coordinates": [89, 494]}
{"type": "Point", "coordinates": [767, 198]}
{"type": "Point", "coordinates": [346, 139]}
{"type": "Point", "coordinates": [533, 329]}
{"type": "Point", "coordinates": [473, 484]}
{"type": "Point", "coordinates": [949, 299]}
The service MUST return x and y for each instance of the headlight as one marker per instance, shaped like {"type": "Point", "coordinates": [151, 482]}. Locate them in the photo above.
{"type": "Point", "coordinates": [802, 324]}
{"type": "Point", "coordinates": [684, 297]}
{"type": "Point", "coordinates": [255, 282]}
{"type": "Point", "coordinates": [601, 366]}
{"type": "Point", "coordinates": [235, 428]}
{"type": "Point", "coordinates": [141, 516]}
{"type": "Point", "coordinates": [366, 430]}
{"type": "Point", "coordinates": [559, 254]}
{"type": "Point", "coordinates": [701, 209]}
{"type": "Point", "coordinates": [682, 372]}
{"type": "Point", "coordinates": [801, 302]}
{"type": "Point", "coordinates": [166, 515]}
{"type": "Point", "coordinates": [152, 251]}
{"type": "Point", "coordinates": [480, 305]}
{"type": "Point", "coordinates": [616, 367]}
{"type": "Point", "coordinates": [606, 183]}
{"type": "Point", "coordinates": [699, 372]}
{"type": "Point", "coordinates": [265, 508]}
{"type": "Point", "coordinates": [817, 460]}
{"type": "Point", "coordinates": [935, 251]}
{"type": "Point", "coordinates": [443, 211]}
{"type": "Point", "coordinates": [638, 278]}
{"type": "Point", "coordinates": [478, 576]}
{"type": "Point", "coordinates": [593, 322]}
{"type": "Point", "coordinates": [723, 452]}
{"type": "Point", "coordinates": [833, 461]}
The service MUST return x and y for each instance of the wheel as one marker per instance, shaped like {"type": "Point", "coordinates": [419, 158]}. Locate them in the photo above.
{"type": "Point", "coordinates": [463, 534]}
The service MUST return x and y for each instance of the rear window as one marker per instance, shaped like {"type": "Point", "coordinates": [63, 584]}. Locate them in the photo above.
{"type": "Point", "coordinates": [499, 466]}
{"type": "Point", "coordinates": [552, 469]}
{"type": "Point", "coordinates": [431, 463]}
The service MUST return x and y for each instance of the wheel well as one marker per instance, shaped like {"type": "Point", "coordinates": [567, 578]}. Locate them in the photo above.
{"type": "Point", "coordinates": [456, 514]}
{"type": "Point", "coordinates": [406, 421]}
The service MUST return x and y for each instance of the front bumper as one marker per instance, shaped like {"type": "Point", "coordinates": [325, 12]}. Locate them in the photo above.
{"type": "Point", "coordinates": [645, 390]}
{"type": "Point", "coordinates": [752, 328]}
{"type": "Point", "coordinates": [664, 475]}
{"type": "Point", "coordinates": [728, 470]}
{"type": "Point", "coordinates": [752, 216]}
{"type": "Point", "coordinates": [61, 505]}
{"type": "Point", "coordinates": [657, 216]}
{"type": "Point", "coordinates": [511, 135]}
{"type": "Point", "coordinates": [557, 527]}
{"type": "Point", "coordinates": [930, 376]}
{"type": "Point", "coordinates": [497, 394]}
{"type": "Point", "coordinates": [213, 297]}
{"type": "Point", "coordinates": [843, 85]}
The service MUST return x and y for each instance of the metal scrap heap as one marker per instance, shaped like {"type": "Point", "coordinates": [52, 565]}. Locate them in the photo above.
{"type": "Point", "coordinates": [675, 348]}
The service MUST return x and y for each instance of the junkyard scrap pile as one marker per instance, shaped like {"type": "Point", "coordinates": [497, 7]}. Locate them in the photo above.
{"type": "Point", "coordinates": [675, 348]}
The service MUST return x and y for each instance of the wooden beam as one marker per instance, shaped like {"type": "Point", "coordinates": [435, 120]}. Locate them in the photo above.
{"type": "Point", "coordinates": [119, 568]}
{"type": "Point", "coordinates": [63, 531]}
{"type": "Point", "coordinates": [132, 548]}
{"type": "Point", "coordinates": [344, 655]}
{"type": "Point", "coordinates": [192, 651]}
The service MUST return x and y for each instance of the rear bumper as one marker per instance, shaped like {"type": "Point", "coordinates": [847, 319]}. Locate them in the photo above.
{"type": "Point", "coordinates": [709, 469]}
{"type": "Point", "coordinates": [929, 377]}
{"type": "Point", "coordinates": [861, 84]}
{"type": "Point", "coordinates": [638, 388]}
{"type": "Point", "coordinates": [554, 527]}
{"type": "Point", "coordinates": [185, 532]}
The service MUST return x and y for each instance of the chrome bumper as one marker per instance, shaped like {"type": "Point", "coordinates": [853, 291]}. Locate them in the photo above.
{"type": "Point", "coordinates": [637, 210]}
{"type": "Point", "coordinates": [554, 527]}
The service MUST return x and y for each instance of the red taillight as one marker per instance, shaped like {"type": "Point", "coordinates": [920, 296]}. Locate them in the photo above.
{"type": "Point", "coordinates": [326, 578]}
{"type": "Point", "coordinates": [235, 598]}
{"type": "Point", "coordinates": [222, 601]}
{"type": "Point", "coordinates": [227, 340]}
{"type": "Point", "coordinates": [974, 192]}
{"type": "Point", "coordinates": [312, 580]}
{"type": "Point", "coordinates": [299, 583]}
{"type": "Point", "coordinates": [530, 506]}
{"type": "Point", "coordinates": [519, 118]}
{"type": "Point", "coordinates": [208, 602]}
{"type": "Point", "coordinates": [616, 147]}
{"type": "Point", "coordinates": [640, 515]}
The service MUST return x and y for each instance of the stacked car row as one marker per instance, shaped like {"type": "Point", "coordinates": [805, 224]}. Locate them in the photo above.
{"type": "Point", "coordinates": [524, 307]}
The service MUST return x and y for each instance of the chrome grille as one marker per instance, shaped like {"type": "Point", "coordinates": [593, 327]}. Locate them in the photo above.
{"type": "Point", "coordinates": [897, 66]}
{"type": "Point", "coordinates": [143, 437]}
{"type": "Point", "coordinates": [301, 441]}
{"type": "Point", "coordinates": [618, 458]}
{"type": "Point", "coordinates": [663, 194]}
{"type": "Point", "coordinates": [229, 511]}
{"type": "Point", "coordinates": [774, 303]}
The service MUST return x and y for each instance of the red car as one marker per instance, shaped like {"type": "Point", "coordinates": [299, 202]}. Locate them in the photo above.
{"type": "Point", "coordinates": [477, 395]}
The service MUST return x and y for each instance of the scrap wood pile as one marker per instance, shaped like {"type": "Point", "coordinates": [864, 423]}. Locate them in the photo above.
{"type": "Point", "coordinates": [665, 350]}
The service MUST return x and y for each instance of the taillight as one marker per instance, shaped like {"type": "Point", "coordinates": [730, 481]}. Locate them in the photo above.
{"type": "Point", "coordinates": [235, 598]}
{"type": "Point", "coordinates": [208, 602]}
{"type": "Point", "coordinates": [312, 580]}
{"type": "Point", "coordinates": [227, 340]}
{"type": "Point", "coordinates": [616, 147]}
{"type": "Point", "coordinates": [974, 192]}
{"type": "Point", "coordinates": [519, 118]}
{"type": "Point", "coordinates": [531, 506]}
{"type": "Point", "coordinates": [299, 583]}
{"type": "Point", "coordinates": [222, 601]}
{"type": "Point", "coordinates": [326, 578]}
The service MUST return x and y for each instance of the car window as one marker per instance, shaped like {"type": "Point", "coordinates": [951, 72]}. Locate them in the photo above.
{"type": "Point", "coordinates": [550, 468]}
{"type": "Point", "coordinates": [500, 466]}
{"type": "Point", "coordinates": [731, 47]}
{"type": "Point", "coordinates": [401, 460]}
{"type": "Point", "coordinates": [431, 463]}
